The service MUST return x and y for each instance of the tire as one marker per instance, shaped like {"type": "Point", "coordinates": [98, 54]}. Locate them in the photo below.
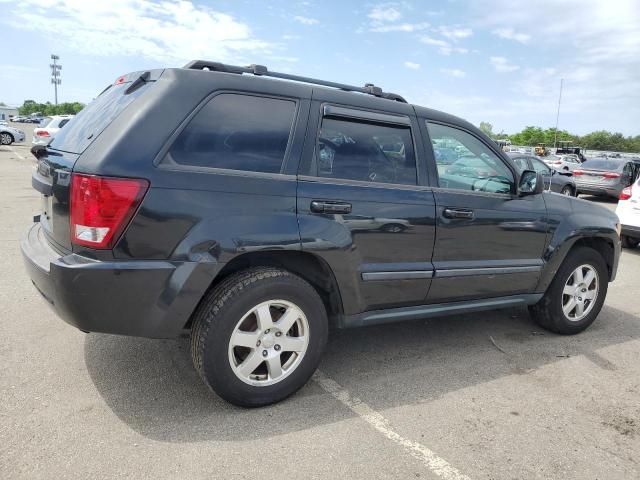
{"type": "Point", "coordinates": [548, 312]}
{"type": "Point", "coordinates": [567, 190]}
{"type": "Point", "coordinates": [629, 242]}
{"type": "Point", "coordinates": [223, 316]}
{"type": "Point", "coordinates": [393, 228]}
{"type": "Point", "coordinates": [6, 138]}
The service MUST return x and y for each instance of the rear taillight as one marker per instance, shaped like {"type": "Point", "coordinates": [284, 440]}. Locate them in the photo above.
{"type": "Point", "coordinates": [42, 133]}
{"type": "Point", "coordinates": [578, 172]}
{"type": "Point", "coordinates": [611, 175]}
{"type": "Point", "coordinates": [101, 208]}
{"type": "Point", "coordinates": [626, 193]}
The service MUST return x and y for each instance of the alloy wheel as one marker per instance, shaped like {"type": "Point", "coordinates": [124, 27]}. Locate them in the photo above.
{"type": "Point", "coordinates": [580, 293]}
{"type": "Point", "coordinates": [269, 342]}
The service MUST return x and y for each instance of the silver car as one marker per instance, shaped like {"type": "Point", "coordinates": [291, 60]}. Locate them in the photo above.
{"type": "Point", "coordinates": [567, 163]}
{"type": "Point", "coordinates": [9, 135]}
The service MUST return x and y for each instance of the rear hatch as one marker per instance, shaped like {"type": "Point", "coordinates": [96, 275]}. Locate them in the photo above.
{"type": "Point", "coordinates": [52, 176]}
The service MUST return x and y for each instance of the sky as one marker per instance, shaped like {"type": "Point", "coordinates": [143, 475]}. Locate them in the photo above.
{"type": "Point", "coordinates": [498, 61]}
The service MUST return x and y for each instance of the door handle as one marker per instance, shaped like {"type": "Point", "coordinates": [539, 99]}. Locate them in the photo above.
{"type": "Point", "coordinates": [330, 207]}
{"type": "Point", "coordinates": [457, 213]}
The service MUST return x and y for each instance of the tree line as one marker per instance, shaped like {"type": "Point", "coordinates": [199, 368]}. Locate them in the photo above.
{"type": "Point", "coordinates": [47, 109]}
{"type": "Point", "coordinates": [598, 140]}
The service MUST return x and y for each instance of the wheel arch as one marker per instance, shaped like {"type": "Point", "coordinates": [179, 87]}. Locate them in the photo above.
{"type": "Point", "coordinates": [307, 266]}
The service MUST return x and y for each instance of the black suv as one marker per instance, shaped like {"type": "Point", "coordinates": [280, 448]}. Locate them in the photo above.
{"type": "Point", "coordinates": [254, 213]}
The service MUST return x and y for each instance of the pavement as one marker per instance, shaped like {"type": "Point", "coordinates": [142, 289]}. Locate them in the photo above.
{"type": "Point", "coordinates": [483, 396]}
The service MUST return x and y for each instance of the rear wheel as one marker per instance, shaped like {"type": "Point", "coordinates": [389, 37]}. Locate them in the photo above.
{"type": "Point", "coordinates": [258, 336]}
{"type": "Point", "coordinates": [576, 295]}
{"type": "Point", "coordinates": [567, 190]}
{"type": "Point", "coordinates": [6, 138]}
{"type": "Point", "coordinates": [629, 242]}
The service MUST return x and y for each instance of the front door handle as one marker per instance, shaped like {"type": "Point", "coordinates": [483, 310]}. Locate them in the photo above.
{"type": "Point", "coordinates": [318, 206]}
{"type": "Point", "coordinates": [458, 213]}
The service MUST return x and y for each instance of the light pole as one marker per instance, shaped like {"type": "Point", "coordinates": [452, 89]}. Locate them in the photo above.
{"type": "Point", "coordinates": [55, 74]}
{"type": "Point", "coordinates": [555, 134]}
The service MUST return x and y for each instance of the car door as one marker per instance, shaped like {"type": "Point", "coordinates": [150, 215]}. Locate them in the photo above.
{"type": "Point", "coordinates": [489, 241]}
{"type": "Point", "coordinates": [363, 204]}
{"type": "Point", "coordinates": [547, 174]}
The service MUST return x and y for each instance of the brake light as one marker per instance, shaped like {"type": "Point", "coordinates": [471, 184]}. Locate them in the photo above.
{"type": "Point", "coordinates": [101, 208]}
{"type": "Point", "coordinates": [42, 133]}
{"type": "Point", "coordinates": [611, 175]}
{"type": "Point", "coordinates": [578, 172]}
{"type": "Point", "coordinates": [625, 194]}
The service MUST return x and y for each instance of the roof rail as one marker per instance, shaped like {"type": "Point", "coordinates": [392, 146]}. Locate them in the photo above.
{"type": "Point", "coordinates": [261, 70]}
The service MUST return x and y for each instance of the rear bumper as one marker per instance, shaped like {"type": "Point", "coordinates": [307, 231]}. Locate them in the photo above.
{"type": "Point", "coordinates": [140, 298]}
{"type": "Point", "coordinates": [630, 231]}
{"type": "Point", "coordinates": [599, 190]}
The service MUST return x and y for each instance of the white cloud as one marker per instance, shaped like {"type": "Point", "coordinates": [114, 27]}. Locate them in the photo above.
{"type": "Point", "coordinates": [384, 13]}
{"type": "Point", "coordinates": [510, 34]}
{"type": "Point", "coordinates": [454, 72]}
{"type": "Point", "coordinates": [412, 65]}
{"type": "Point", "coordinates": [165, 31]}
{"type": "Point", "coordinates": [502, 65]}
{"type": "Point", "coordinates": [306, 20]}
{"type": "Point", "coordinates": [455, 33]}
{"type": "Point", "coordinates": [444, 47]}
{"type": "Point", "coordinates": [400, 27]}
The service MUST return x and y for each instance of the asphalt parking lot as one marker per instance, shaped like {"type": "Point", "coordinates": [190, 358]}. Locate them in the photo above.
{"type": "Point", "coordinates": [482, 396]}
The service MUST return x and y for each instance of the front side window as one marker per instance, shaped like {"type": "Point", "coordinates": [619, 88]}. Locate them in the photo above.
{"type": "Point", "coordinates": [470, 164]}
{"type": "Point", "coordinates": [237, 132]}
{"type": "Point", "coordinates": [370, 152]}
{"type": "Point", "coordinates": [520, 162]}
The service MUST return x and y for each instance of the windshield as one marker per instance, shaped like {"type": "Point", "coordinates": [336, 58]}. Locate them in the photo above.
{"type": "Point", "coordinates": [94, 118]}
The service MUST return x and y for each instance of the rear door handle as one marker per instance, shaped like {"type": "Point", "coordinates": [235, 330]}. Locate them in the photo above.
{"type": "Point", "coordinates": [457, 213]}
{"type": "Point", "coordinates": [318, 206]}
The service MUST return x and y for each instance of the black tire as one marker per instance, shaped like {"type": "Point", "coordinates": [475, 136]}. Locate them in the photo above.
{"type": "Point", "coordinates": [6, 138]}
{"type": "Point", "coordinates": [548, 311]}
{"type": "Point", "coordinates": [629, 242]}
{"type": "Point", "coordinates": [393, 228]}
{"type": "Point", "coordinates": [218, 315]}
{"type": "Point", "coordinates": [567, 190]}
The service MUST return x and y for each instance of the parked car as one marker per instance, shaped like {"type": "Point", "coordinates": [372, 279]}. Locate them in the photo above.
{"type": "Point", "coordinates": [555, 180]}
{"type": "Point", "coordinates": [210, 199]}
{"type": "Point", "coordinates": [567, 163]}
{"type": "Point", "coordinates": [9, 135]}
{"type": "Point", "coordinates": [605, 176]}
{"type": "Point", "coordinates": [48, 129]}
{"type": "Point", "coordinates": [628, 210]}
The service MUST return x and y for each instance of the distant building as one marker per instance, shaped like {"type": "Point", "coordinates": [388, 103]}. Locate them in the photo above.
{"type": "Point", "coordinates": [6, 112]}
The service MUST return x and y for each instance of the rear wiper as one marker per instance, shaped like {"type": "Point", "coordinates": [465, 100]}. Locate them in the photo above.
{"type": "Point", "coordinates": [137, 83]}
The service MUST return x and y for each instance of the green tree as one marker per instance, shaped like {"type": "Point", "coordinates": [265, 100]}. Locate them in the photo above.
{"type": "Point", "coordinates": [487, 128]}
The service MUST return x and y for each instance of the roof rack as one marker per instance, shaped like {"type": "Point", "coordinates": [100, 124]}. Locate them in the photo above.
{"type": "Point", "coordinates": [261, 70]}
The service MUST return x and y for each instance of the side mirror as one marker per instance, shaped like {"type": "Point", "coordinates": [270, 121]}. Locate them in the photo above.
{"type": "Point", "coordinates": [531, 183]}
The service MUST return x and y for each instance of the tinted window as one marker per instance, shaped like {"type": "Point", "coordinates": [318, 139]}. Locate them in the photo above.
{"type": "Point", "coordinates": [94, 118]}
{"type": "Point", "coordinates": [539, 166]}
{"type": "Point", "coordinates": [603, 164]}
{"type": "Point", "coordinates": [476, 167]}
{"type": "Point", "coordinates": [63, 122]}
{"type": "Point", "coordinates": [237, 132]}
{"type": "Point", "coordinates": [356, 150]}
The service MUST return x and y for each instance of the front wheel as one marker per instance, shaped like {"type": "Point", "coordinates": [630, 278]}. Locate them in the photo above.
{"type": "Point", "coordinates": [258, 336]}
{"type": "Point", "coordinates": [567, 190]}
{"type": "Point", "coordinates": [576, 295]}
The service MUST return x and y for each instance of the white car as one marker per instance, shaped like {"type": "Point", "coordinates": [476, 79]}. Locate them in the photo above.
{"type": "Point", "coordinates": [567, 163]}
{"type": "Point", "coordinates": [9, 135]}
{"type": "Point", "coordinates": [628, 210]}
{"type": "Point", "coordinates": [48, 128]}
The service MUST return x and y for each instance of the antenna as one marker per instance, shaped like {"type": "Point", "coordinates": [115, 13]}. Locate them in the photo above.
{"type": "Point", "coordinates": [555, 134]}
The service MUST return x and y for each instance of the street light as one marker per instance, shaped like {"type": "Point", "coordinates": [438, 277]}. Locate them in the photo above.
{"type": "Point", "coordinates": [55, 74]}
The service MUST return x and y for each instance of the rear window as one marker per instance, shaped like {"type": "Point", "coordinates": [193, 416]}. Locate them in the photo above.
{"type": "Point", "coordinates": [94, 118]}
{"type": "Point", "coordinates": [45, 121]}
{"type": "Point", "coordinates": [603, 164]}
{"type": "Point", "coordinates": [237, 132]}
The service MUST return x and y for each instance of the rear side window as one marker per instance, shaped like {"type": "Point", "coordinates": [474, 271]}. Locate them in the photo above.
{"type": "Point", "coordinates": [63, 122]}
{"type": "Point", "coordinates": [94, 118]}
{"type": "Point", "coordinates": [237, 132]}
{"type": "Point", "coordinates": [369, 152]}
